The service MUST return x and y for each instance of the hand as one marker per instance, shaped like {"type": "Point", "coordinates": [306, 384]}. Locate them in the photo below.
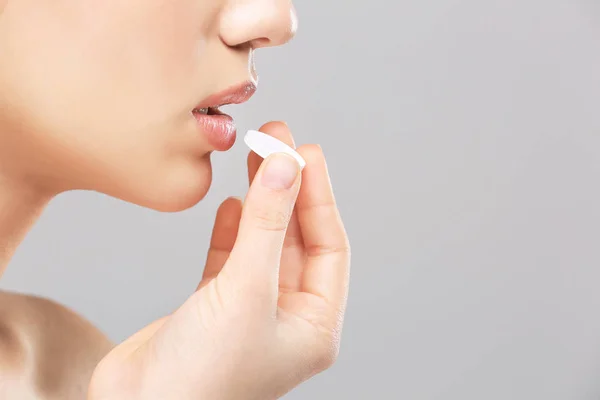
{"type": "Point", "coordinates": [268, 312]}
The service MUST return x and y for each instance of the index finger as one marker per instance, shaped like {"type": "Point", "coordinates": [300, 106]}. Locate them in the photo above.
{"type": "Point", "coordinates": [326, 273]}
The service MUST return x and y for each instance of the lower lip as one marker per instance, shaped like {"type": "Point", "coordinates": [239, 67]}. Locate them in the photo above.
{"type": "Point", "coordinates": [219, 129]}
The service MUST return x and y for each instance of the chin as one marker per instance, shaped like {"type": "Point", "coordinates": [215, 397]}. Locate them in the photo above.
{"type": "Point", "coordinates": [178, 191]}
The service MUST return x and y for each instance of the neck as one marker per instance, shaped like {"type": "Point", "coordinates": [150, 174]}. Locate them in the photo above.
{"type": "Point", "coordinates": [20, 207]}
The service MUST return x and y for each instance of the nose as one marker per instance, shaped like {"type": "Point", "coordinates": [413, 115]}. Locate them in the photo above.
{"type": "Point", "coordinates": [258, 23]}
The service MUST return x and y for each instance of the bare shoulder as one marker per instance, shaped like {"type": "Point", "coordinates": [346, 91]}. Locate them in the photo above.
{"type": "Point", "coordinates": [47, 351]}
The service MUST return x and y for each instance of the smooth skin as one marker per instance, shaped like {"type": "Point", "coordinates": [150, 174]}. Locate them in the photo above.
{"type": "Point", "coordinates": [268, 312]}
{"type": "Point", "coordinates": [97, 95]}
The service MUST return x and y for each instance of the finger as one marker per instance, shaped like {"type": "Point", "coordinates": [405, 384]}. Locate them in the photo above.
{"type": "Point", "coordinates": [223, 237]}
{"type": "Point", "coordinates": [255, 258]}
{"type": "Point", "coordinates": [292, 258]}
{"type": "Point", "coordinates": [325, 240]}
{"type": "Point", "coordinates": [277, 129]}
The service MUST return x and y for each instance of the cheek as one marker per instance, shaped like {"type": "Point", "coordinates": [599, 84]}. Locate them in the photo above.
{"type": "Point", "coordinates": [110, 70]}
{"type": "Point", "coordinates": [110, 62]}
{"type": "Point", "coordinates": [154, 49]}
{"type": "Point", "coordinates": [106, 89]}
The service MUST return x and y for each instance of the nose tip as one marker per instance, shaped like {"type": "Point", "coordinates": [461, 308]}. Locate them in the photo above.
{"type": "Point", "coordinates": [259, 23]}
{"type": "Point", "coordinates": [277, 29]}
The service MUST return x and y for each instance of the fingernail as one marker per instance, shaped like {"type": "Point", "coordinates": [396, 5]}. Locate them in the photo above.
{"type": "Point", "coordinates": [280, 171]}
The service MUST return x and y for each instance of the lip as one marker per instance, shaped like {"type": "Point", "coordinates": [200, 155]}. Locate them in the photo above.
{"type": "Point", "coordinates": [234, 95]}
{"type": "Point", "coordinates": [218, 127]}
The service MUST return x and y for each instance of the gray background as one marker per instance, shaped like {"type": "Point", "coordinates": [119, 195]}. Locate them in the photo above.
{"type": "Point", "coordinates": [463, 143]}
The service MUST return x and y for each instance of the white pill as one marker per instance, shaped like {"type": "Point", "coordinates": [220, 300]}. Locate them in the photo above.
{"type": "Point", "coordinates": [265, 145]}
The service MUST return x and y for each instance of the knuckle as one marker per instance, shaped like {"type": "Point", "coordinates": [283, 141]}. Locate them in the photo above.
{"type": "Point", "coordinates": [321, 250]}
{"type": "Point", "coordinates": [271, 219]}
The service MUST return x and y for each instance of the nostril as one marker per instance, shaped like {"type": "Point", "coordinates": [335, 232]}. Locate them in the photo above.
{"type": "Point", "coordinates": [261, 42]}
{"type": "Point", "coordinates": [258, 23]}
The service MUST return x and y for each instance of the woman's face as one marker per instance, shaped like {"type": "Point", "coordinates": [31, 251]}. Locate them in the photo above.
{"type": "Point", "coordinates": [99, 95]}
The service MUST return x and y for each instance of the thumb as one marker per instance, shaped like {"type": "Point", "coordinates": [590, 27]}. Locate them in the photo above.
{"type": "Point", "coordinates": [254, 259]}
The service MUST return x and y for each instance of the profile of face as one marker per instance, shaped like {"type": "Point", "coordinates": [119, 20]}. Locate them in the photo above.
{"type": "Point", "coordinates": [113, 96]}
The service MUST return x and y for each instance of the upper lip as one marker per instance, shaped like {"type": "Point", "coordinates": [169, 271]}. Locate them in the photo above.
{"type": "Point", "coordinates": [234, 95]}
